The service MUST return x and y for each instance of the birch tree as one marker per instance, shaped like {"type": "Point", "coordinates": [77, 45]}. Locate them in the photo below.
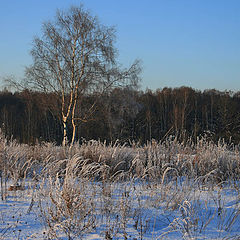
{"type": "Point", "coordinates": [75, 56]}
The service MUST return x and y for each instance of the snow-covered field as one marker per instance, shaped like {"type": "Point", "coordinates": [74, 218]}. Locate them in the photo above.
{"type": "Point", "coordinates": [123, 210]}
{"type": "Point", "coordinates": [166, 190]}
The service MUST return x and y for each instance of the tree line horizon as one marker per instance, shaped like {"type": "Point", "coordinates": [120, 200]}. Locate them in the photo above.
{"type": "Point", "coordinates": [125, 115]}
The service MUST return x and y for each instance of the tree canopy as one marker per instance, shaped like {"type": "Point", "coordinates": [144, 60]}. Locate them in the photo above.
{"type": "Point", "coordinates": [75, 57]}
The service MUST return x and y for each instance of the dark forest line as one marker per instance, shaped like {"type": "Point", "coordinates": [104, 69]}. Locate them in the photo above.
{"type": "Point", "coordinates": [124, 115]}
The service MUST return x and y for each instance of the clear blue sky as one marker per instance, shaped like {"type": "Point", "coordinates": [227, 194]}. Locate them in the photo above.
{"type": "Point", "coordinates": [193, 43]}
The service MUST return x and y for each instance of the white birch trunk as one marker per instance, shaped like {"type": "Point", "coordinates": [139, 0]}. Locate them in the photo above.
{"type": "Point", "coordinates": [64, 143]}
{"type": "Point", "coordinates": [73, 134]}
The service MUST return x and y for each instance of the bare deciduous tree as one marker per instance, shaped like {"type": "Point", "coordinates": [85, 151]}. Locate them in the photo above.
{"type": "Point", "coordinates": [75, 56]}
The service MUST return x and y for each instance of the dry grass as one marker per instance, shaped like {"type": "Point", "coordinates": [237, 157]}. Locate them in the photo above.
{"type": "Point", "coordinates": [111, 187]}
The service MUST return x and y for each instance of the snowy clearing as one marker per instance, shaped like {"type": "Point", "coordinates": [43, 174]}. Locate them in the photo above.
{"type": "Point", "coordinates": [168, 190]}
{"type": "Point", "coordinates": [123, 210]}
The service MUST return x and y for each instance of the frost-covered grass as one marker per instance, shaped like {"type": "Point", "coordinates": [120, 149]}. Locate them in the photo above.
{"type": "Point", "coordinates": [168, 190]}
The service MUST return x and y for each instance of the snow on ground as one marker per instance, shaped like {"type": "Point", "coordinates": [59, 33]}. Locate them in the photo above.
{"type": "Point", "coordinates": [132, 211]}
{"type": "Point", "coordinates": [15, 220]}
